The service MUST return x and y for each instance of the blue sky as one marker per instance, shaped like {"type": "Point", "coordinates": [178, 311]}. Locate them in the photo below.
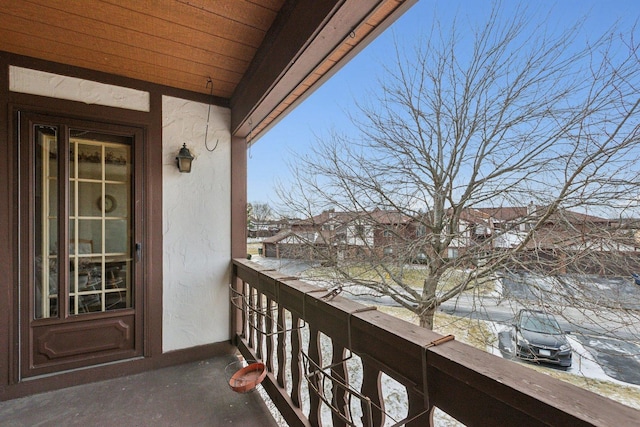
{"type": "Point", "coordinates": [327, 107]}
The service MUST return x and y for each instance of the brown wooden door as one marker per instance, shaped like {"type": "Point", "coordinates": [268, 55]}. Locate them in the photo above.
{"type": "Point", "coordinates": [79, 228]}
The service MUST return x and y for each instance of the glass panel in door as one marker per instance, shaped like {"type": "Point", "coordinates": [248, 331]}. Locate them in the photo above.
{"type": "Point", "coordinates": [45, 264]}
{"type": "Point", "coordinates": [100, 224]}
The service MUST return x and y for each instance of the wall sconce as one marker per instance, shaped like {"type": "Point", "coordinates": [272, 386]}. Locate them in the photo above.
{"type": "Point", "coordinates": [184, 159]}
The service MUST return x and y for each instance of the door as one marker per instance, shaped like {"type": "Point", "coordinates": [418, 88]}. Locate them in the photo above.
{"type": "Point", "coordinates": [80, 286]}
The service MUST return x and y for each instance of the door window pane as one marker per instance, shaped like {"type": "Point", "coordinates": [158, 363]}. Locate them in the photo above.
{"type": "Point", "coordinates": [101, 273]}
{"type": "Point", "coordinates": [46, 222]}
{"type": "Point", "coordinates": [96, 246]}
{"type": "Point", "coordinates": [89, 160]}
{"type": "Point", "coordinates": [117, 163]}
{"type": "Point", "coordinates": [89, 199]}
{"type": "Point", "coordinates": [117, 196]}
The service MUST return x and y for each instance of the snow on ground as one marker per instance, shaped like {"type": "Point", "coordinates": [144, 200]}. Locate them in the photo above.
{"type": "Point", "coordinates": [583, 362]}
{"type": "Point", "coordinates": [497, 289]}
{"type": "Point", "coordinates": [584, 366]}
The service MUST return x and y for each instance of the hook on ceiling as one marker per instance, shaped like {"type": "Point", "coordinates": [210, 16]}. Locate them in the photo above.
{"type": "Point", "coordinates": [206, 131]}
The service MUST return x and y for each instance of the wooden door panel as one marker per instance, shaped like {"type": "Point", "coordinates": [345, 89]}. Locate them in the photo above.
{"type": "Point", "coordinates": [69, 345]}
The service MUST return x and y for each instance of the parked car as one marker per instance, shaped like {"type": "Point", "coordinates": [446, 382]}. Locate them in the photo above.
{"type": "Point", "coordinates": [538, 337]}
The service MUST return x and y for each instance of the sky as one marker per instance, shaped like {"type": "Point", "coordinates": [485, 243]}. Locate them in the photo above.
{"type": "Point", "coordinates": [328, 107]}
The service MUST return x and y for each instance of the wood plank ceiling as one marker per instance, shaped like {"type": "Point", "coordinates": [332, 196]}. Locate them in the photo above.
{"type": "Point", "coordinates": [262, 56]}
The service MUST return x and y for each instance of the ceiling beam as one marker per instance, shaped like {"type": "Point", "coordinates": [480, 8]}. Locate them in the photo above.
{"type": "Point", "coordinates": [303, 37]}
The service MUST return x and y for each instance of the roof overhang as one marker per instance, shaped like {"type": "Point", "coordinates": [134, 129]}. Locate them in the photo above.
{"type": "Point", "coordinates": [288, 69]}
{"type": "Point", "coordinates": [262, 57]}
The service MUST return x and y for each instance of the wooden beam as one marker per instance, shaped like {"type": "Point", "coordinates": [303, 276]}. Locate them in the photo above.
{"type": "Point", "coordinates": [296, 26]}
{"type": "Point", "coordinates": [304, 36]}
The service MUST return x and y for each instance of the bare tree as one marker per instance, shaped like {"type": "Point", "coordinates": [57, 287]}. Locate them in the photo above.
{"type": "Point", "coordinates": [261, 212]}
{"type": "Point", "coordinates": [461, 132]}
{"type": "Point", "coordinates": [250, 216]}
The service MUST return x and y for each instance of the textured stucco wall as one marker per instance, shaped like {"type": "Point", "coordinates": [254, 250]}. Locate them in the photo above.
{"type": "Point", "coordinates": [196, 225]}
{"type": "Point", "coordinates": [25, 80]}
{"type": "Point", "coordinates": [196, 206]}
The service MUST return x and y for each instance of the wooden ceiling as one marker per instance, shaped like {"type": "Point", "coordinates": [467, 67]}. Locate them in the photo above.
{"type": "Point", "coordinates": [262, 56]}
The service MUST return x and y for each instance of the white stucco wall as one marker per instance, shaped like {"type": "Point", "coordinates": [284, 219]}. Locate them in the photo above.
{"type": "Point", "coordinates": [34, 82]}
{"type": "Point", "coordinates": [196, 226]}
{"type": "Point", "coordinates": [196, 206]}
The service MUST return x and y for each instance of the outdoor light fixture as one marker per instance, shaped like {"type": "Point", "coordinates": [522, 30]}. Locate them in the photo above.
{"type": "Point", "coordinates": [184, 159]}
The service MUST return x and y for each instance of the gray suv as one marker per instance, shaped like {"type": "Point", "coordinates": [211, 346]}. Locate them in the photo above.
{"type": "Point", "coordinates": [538, 337]}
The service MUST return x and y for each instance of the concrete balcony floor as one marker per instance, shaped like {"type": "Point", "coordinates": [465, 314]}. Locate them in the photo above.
{"type": "Point", "coordinates": [194, 394]}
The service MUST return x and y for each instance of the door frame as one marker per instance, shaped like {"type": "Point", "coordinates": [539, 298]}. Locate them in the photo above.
{"type": "Point", "coordinates": [11, 385]}
{"type": "Point", "coordinates": [60, 344]}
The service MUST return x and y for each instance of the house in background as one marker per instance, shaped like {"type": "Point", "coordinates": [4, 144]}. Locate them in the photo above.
{"type": "Point", "coordinates": [309, 238]}
{"type": "Point", "coordinates": [267, 228]}
{"type": "Point", "coordinates": [335, 236]}
{"type": "Point", "coordinates": [605, 247]}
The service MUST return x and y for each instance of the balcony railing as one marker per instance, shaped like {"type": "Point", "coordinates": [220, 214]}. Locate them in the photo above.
{"type": "Point", "coordinates": [286, 323]}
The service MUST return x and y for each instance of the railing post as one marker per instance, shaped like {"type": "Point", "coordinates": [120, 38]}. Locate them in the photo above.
{"type": "Point", "coordinates": [244, 288]}
{"type": "Point", "coordinates": [316, 357]}
{"type": "Point", "coordinates": [259, 325]}
{"type": "Point", "coordinates": [281, 347]}
{"type": "Point", "coordinates": [252, 316]}
{"type": "Point", "coordinates": [237, 319]}
{"type": "Point", "coordinates": [268, 328]}
{"type": "Point", "coordinates": [296, 363]}
{"type": "Point", "coordinates": [424, 416]}
{"type": "Point", "coordinates": [372, 388]}
{"type": "Point", "coordinates": [339, 372]}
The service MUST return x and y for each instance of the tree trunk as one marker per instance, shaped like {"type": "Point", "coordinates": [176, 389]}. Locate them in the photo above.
{"type": "Point", "coordinates": [426, 317]}
{"type": "Point", "coordinates": [427, 310]}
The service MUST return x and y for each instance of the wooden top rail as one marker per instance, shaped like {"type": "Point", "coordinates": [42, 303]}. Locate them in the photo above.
{"type": "Point", "coordinates": [473, 386]}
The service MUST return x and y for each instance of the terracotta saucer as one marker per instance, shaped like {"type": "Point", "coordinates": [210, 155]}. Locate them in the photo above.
{"type": "Point", "coordinates": [248, 378]}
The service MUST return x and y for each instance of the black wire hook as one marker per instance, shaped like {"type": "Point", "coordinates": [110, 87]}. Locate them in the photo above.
{"type": "Point", "coordinates": [206, 131]}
